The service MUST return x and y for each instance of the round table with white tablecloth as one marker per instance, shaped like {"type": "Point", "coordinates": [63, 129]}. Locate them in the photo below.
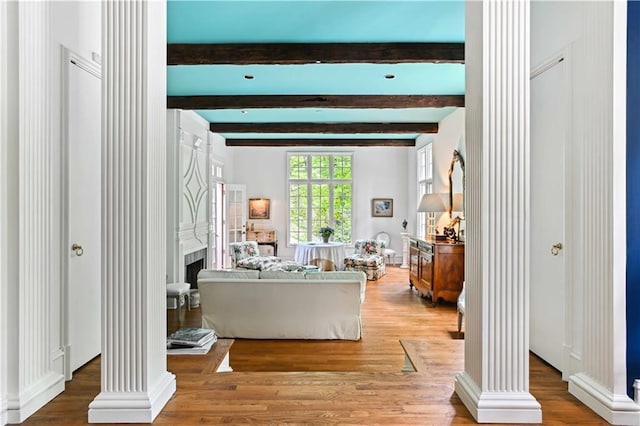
{"type": "Point", "coordinates": [327, 256]}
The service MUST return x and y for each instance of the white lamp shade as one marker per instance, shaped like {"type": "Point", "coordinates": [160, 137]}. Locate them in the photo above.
{"type": "Point", "coordinates": [432, 203]}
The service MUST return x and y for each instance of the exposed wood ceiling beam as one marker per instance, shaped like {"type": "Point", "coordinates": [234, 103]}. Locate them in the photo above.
{"type": "Point", "coordinates": [324, 127]}
{"type": "Point", "coordinates": [314, 101]}
{"type": "Point", "coordinates": [320, 142]}
{"type": "Point", "coordinates": [305, 53]}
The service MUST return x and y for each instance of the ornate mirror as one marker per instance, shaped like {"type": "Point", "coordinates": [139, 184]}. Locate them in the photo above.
{"type": "Point", "coordinates": [456, 184]}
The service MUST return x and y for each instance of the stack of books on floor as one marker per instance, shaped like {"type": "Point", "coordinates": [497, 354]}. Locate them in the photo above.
{"type": "Point", "coordinates": [191, 340]}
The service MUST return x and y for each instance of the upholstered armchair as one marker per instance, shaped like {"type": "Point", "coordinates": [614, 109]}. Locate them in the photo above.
{"type": "Point", "coordinates": [246, 254]}
{"type": "Point", "coordinates": [368, 257]}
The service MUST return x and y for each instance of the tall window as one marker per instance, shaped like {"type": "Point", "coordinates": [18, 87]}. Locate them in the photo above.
{"type": "Point", "coordinates": [320, 194]}
{"type": "Point", "coordinates": [425, 221]}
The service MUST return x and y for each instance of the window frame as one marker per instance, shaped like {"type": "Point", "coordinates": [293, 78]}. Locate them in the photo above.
{"type": "Point", "coordinates": [331, 181]}
{"type": "Point", "coordinates": [425, 221]}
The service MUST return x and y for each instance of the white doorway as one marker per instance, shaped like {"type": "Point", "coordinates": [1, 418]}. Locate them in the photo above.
{"type": "Point", "coordinates": [220, 220]}
{"type": "Point", "coordinates": [82, 173]}
{"type": "Point", "coordinates": [550, 123]}
{"type": "Point", "coordinates": [236, 224]}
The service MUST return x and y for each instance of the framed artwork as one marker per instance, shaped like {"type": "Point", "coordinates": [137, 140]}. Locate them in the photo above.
{"type": "Point", "coordinates": [258, 208]}
{"type": "Point", "coordinates": [382, 207]}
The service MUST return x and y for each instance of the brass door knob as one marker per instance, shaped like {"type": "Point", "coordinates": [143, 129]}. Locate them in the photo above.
{"type": "Point", "coordinates": [77, 249]}
{"type": "Point", "coordinates": [555, 249]}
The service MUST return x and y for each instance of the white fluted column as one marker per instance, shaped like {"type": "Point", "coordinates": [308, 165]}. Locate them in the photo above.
{"type": "Point", "coordinates": [5, 37]}
{"type": "Point", "coordinates": [600, 128]}
{"type": "Point", "coordinates": [495, 384]}
{"type": "Point", "coordinates": [135, 383]}
{"type": "Point", "coordinates": [405, 250]}
{"type": "Point", "coordinates": [32, 221]}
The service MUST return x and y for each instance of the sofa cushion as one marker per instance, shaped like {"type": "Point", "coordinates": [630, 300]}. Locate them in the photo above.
{"type": "Point", "coordinates": [286, 266]}
{"type": "Point", "coordinates": [363, 260]}
{"type": "Point", "coordinates": [256, 262]}
{"type": "Point", "coordinates": [281, 275]}
{"type": "Point", "coordinates": [341, 275]}
{"type": "Point", "coordinates": [232, 274]}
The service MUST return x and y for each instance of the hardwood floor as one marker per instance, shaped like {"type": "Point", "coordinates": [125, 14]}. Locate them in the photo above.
{"type": "Point", "coordinates": [321, 382]}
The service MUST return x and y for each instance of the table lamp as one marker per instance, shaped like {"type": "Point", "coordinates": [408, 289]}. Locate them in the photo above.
{"type": "Point", "coordinates": [433, 203]}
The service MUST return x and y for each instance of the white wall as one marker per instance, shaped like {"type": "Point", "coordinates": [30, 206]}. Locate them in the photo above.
{"type": "Point", "coordinates": [554, 26]}
{"type": "Point", "coordinates": [378, 172]}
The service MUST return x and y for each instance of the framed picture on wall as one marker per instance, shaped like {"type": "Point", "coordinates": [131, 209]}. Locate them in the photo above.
{"type": "Point", "coordinates": [258, 208]}
{"type": "Point", "coordinates": [382, 207]}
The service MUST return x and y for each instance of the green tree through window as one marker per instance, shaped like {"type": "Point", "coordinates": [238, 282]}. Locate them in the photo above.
{"type": "Point", "coordinates": [320, 194]}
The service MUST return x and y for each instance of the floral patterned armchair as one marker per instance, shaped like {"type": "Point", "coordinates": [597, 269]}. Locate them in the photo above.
{"type": "Point", "coordinates": [368, 257]}
{"type": "Point", "coordinates": [246, 255]}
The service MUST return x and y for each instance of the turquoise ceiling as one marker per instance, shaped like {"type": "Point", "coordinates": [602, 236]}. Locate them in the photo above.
{"type": "Point", "coordinates": [309, 21]}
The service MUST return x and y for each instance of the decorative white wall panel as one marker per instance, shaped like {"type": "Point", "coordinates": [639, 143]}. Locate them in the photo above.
{"type": "Point", "coordinates": [194, 222]}
{"type": "Point", "coordinates": [495, 385]}
{"type": "Point", "coordinates": [188, 223]}
{"type": "Point", "coordinates": [135, 384]}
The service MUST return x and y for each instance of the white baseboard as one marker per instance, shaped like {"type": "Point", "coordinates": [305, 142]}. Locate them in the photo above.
{"type": "Point", "coordinates": [617, 409]}
{"type": "Point", "coordinates": [20, 407]}
{"type": "Point", "coordinates": [132, 407]}
{"type": "Point", "coordinates": [497, 407]}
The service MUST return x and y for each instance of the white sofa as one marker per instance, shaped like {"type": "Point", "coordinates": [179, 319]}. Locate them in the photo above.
{"type": "Point", "coordinates": [282, 305]}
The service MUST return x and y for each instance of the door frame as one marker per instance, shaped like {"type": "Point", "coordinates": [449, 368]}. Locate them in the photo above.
{"type": "Point", "coordinates": [94, 69]}
{"type": "Point", "coordinates": [571, 360]}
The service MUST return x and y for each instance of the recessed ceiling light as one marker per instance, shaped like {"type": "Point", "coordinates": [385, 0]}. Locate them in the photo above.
{"type": "Point", "coordinates": [248, 77]}
{"type": "Point", "coordinates": [389, 76]}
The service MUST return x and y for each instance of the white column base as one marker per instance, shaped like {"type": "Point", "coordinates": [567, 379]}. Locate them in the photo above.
{"type": "Point", "coordinates": [617, 409]}
{"type": "Point", "coordinates": [3, 412]}
{"type": "Point", "coordinates": [497, 407]}
{"type": "Point", "coordinates": [224, 366]}
{"type": "Point", "coordinates": [132, 407]}
{"type": "Point", "coordinates": [34, 398]}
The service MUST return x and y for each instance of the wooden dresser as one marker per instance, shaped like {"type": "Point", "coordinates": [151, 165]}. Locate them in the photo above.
{"type": "Point", "coordinates": [265, 237]}
{"type": "Point", "coordinates": [436, 269]}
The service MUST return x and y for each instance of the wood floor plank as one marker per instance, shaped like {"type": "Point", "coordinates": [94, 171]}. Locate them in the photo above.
{"type": "Point", "coordinates": [330, 382]}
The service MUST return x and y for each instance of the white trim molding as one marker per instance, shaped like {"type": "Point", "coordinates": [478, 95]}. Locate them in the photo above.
{"type": "Point", "coordinates": [495, 384]}
{"type": "Point", "coordinates": [31, 399]}
{"type": "Point", "coordinates": [133, 223]}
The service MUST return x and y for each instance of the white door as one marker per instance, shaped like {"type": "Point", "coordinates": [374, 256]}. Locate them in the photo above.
{"type": "Point", "coordinates": [549, 124]}
{"type": "Point", "coordinates": [83, 133]}
{"type": "Point", "coordinates": [236, 225]}
{"type": "Point", "coordinates": [221, 215]}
